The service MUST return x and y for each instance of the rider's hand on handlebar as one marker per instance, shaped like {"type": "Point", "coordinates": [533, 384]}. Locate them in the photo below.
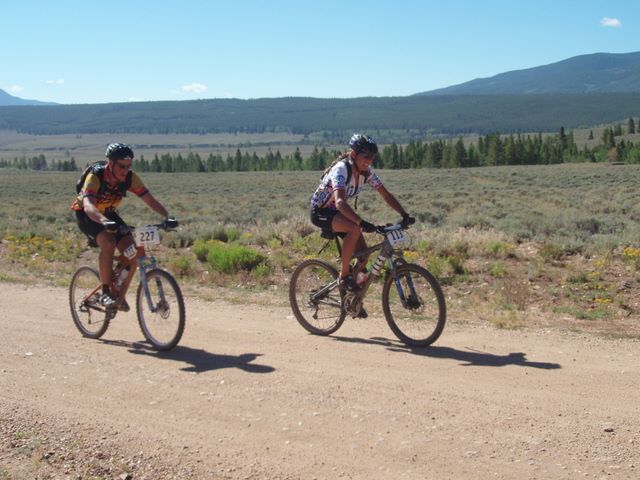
{"type": "Point", "coordinates": [407, 219]}
{"type": "Point", "coordinates": [170, 223]}
{"type": "Point", "coordinates": [110, 226]}
{"type": "Point", "coordinates": [367, 227]}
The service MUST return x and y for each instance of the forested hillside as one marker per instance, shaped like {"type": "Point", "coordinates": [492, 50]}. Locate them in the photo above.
{"type": "Point", "coordinates": [398, 119]}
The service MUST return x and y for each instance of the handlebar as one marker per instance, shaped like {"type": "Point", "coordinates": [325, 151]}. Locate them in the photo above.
{"type": "Point", "coordinates": [401, 225]}
{"type": "Point", "coordinates": [170, 224]}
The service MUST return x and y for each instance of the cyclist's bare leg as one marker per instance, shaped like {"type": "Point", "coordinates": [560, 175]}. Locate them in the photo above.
{"type": "Point", "coordinates": [107, 243]}
{"type": "Point", "coordinates": [342, 224]}
{"type": "Point", "coordinates": [125, 245]}
{"type": "Point", "coordinates": [361, 245]}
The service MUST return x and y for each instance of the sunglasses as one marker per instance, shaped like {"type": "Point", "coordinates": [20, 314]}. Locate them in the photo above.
{"type": "Point", "coordinates": [123, 166]}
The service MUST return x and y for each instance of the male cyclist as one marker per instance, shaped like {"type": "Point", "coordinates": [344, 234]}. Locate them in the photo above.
{"type": "Point", "coordinates": [329, 207]}
{"type": "Point", "coordinates": [95, 207]}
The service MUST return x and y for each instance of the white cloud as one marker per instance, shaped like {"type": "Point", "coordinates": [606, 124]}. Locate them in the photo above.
{"type": "Point", "coordinates": [15, 88]}
{"type": "Point", "coordinates": [610, 22]}
{"type": "Point", "coordinates": [195, 88]}
{"type": "Point", "coordinates": [59, 81]}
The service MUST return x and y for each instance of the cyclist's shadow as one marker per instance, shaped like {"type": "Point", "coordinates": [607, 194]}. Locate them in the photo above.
{"type": "Point", "coordinates": [469, 357]}
{"type": "Point", "coordinates": [200, 360]}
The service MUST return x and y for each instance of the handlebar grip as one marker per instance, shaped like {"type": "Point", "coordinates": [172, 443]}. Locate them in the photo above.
{"type": "Point", "coordinates": [407, 220]}
{"type": "Point", "coordinates": [170, 223]}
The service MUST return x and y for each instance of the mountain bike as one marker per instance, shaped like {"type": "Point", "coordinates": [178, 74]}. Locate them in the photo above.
{"type": "Point", "coordinates": [159, 301]}
{"type": "Point", "coordinates": [412, 300]}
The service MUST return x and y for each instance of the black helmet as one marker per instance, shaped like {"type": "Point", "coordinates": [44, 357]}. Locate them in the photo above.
{"type": "Point", "coordinates": [118, 151]}
{"type": "Point", "coordinates": [363, 144]}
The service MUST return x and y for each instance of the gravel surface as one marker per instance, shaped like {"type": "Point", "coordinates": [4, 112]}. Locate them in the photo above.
{"type": "Point", "coordinates": [248, 394]}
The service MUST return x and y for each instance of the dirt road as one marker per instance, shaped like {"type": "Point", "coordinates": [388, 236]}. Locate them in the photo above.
{"type": "Point", "coordinates": [249, 395]}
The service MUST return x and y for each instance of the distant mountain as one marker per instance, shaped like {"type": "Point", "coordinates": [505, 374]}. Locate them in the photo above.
{"type": "Point", "coordinates": [10, 100]}
{"type": "Point", "coordinates": [594, 73]}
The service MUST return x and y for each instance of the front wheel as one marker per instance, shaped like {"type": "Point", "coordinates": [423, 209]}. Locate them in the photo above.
{"type": "Point", "coordinates": [88, 315]}
{"type": "Point", "coordinates": [414, 305]}
{"type": "Point", "coordinates": [161, 313]}
{"type": "Point", "coordinates": [315, 297]}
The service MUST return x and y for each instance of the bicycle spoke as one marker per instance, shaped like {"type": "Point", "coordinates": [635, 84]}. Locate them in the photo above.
{"type": "Point", "coordinates": [315, 297]}
{"type": "Point", "coordinates": [161, 310]}
{"type": "Point", "coordinates": [414, 305]}
{"type": "Point", "coordinates": [88, 315]}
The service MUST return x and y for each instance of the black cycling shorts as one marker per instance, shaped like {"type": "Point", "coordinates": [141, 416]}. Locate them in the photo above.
{"type": "Point", "coordinates": [92, 229]}
{"type": "Point", "coordinates": [322, 217]}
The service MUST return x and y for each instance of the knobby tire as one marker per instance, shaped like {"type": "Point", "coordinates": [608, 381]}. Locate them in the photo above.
{"type": "Point", "coordinates": [92, 322]}
{"type": "Point", "coordinates": [307, 279]}
{"type": "Point", "coordinates": [163, 329]}
{"type": "Point", "coordinates": [421, 322]}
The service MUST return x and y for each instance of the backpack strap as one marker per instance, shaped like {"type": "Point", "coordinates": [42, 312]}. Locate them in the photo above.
{"type": "Point", "coordinates": [98, 170]}
{"type": "Point", "coordinates": [126, 185]}
{"type": "Point", "coordinates": [349, 166]}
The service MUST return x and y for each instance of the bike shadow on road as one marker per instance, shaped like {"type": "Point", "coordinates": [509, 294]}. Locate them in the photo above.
{"type": "Point", "coordinates": [469, 357]}
{"type": "Point", "coordinates": [199, 360]}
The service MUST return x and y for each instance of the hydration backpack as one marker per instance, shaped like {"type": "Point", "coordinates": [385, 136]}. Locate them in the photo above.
{"type": "Point", "coordinates": [97, 168]}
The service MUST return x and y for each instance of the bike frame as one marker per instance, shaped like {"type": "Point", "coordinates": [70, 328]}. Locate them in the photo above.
{"type": "Point", "coordinates": [145, 263]}
{"type": "Point", "coordinates": [392, 257]}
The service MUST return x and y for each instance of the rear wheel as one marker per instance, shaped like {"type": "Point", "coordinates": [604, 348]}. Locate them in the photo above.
{"type": "Point", "coordinates": [315, 297]}
{"type": "Point", "coordinates": [414, 305]}
{"type": "Point", "coordinates": [161, 316]}
{"type": "Point", "coordinates": [88, 315]}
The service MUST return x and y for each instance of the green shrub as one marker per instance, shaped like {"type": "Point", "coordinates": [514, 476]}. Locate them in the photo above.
{"type": "Point", "coordinates": [581, 277]}
{"type": "Point", "coordinates": [498, 249]}
{"type": "Point", "coordinates": [262, 271]}
{"type": "Point", "coordinates": [232, 234]}
{"type": "Point", "coordinates": [551, 252]}
{"type": "Point", "coordinates": [182, 265]}
{"type": "Point", "coordinates": [457, 264]}
{"type": "Point", "coordinates": [498, 269]}
{"type": "Point", "coordinates": [201, 249]}
{"type": "Point", "coordinates": [230, 258]}
{"type": "Point", "coordinates": [437, 266]}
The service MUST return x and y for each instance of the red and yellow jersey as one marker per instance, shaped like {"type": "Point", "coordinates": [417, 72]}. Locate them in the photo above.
{"type": "Point", "coordinates": [107, 196]}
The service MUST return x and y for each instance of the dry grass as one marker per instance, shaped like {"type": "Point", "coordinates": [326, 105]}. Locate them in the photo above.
{"type": "Point", "coordinates": [513, 246]}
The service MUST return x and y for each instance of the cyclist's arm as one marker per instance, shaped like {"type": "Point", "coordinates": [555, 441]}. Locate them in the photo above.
{"type": "Point", "coordinates": [390, 199]}
{"type": "Point", "coordinates": [90, 208]}
{"type": "Point", "coordinates": [155, 205]}
{"type": "Point", "coordinates": [340, 199]}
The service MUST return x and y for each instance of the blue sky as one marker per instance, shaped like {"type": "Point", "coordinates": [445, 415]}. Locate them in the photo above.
{"type": "Point", "coordinates": [99, 51]}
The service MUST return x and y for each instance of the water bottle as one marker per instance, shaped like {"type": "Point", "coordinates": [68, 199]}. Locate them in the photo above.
{"type": "Point", "coordinates": [124, 273]}
{"type": "Point", "coordinates": [375, 269]}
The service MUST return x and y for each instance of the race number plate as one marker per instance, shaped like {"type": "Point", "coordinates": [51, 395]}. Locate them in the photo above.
{"type": "Point", "coordinates": [146, 236]}
{"type": "Point", "coordinates": [396, 237]}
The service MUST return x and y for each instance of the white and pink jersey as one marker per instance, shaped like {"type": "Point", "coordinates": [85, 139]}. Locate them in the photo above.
{"type": "Point", "coordinates": [336, 179]}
